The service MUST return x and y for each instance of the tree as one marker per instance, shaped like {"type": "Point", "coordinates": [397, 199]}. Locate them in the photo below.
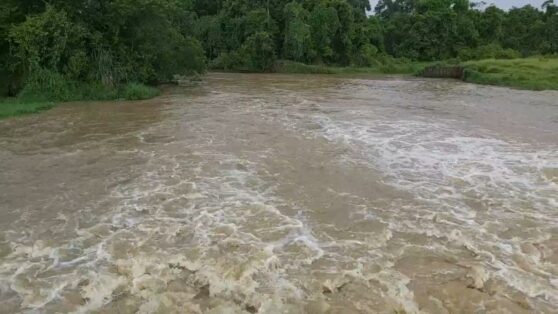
{"type": "Point", "coordinates": [48, 40]}
{"type": "Point", "coordinates": [297, 38]}
{"type": "Point", "coordinates": [324, 24]}
{"type": "Point", "coordinates": [491, 25]}
{"type": "Point", "coordinates": [259, 51]}
{"type": "Point", "coordinates": [523, 30]}
{"type": "Point", "coordinates": [116, 41]}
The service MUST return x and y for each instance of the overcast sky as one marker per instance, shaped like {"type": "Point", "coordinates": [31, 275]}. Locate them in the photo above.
{"type": "Point", "coordinates": [505, 4]}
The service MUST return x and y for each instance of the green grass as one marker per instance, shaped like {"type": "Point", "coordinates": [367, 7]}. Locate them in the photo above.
{"type": "Point", "coordinates": [43, 95]}
{"type": "Point", "coordinates": [537, 73]}
{"type": "Point", "coordinates": [301, 68]}
{"type": "Point", "coordinates": [391, 68]}
{"type": "Point", "coordinates": [135, 91]}
{"type": "Point", "coordinates": [12, 107]}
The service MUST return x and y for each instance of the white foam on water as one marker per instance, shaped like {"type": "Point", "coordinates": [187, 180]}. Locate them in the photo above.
{"type": "Point", "coordinates": [210, 229]}
{"type": "Point", "coordinates": [464, 179]}
{"type": "Point", "coordinates": [196, 230]}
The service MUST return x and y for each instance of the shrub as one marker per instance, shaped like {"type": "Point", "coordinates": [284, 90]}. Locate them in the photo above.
{"type": "Point", "coordinates": [285, 66]}
{"type": "Point", "coordinates": [13, 107]}
{"type": "Point", "coordinates": [4, 83]}
{"type": "Point", "coordinates": [491, 51]}
{"type": "Point", "coordinates": [227, 61]}
{"type": "Point", "coordinates": [136, 91]}
{"type": "Point", "coordinates": [366, 56]}
{"type": "Point", "coordinates": [47, 85]}
{"type": "Point", "coordinates": [48, 40]}
{"type": "Point", "coordinates": [259, 52]}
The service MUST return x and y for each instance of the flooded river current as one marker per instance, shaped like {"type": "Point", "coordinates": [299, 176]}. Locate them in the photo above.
{"type": "Point", "coordinates": [284, 194]}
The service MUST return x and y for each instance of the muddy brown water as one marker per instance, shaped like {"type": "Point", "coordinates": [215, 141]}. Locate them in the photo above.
{"type": "Point", "coordinates": [285, 194]}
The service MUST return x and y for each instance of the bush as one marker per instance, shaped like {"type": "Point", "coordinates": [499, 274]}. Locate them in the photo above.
{"type": "Point", "coordinates": [227, 61]}
{"type": "Point", "coordinates": [492, 51]}
{"type": "Point", "coordinates": [48, 40]}
{"type": "Point", "coordinates": [529, 73]}
{"type": "Point", "coordinates": [259, 52]}
{"type": "Point", "coordinates": [366, 56]}
{"type": "Point", "coordinates": [47, 85]}
{"type": "Point", "coordinates": [14, 107]}
{"type": "Point", "coordinates": [4, 83]}
{"type": "Point", "coordinates": [136, 91]}
{"type": "Point", "coordinates": [127, 50]}
{"type": "Point", "coordinates": [285, 66]}
{"type": "Point", "coordinates": [508, 54]}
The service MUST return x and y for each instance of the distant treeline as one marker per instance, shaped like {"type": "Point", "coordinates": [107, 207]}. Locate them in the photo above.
{"type": "Point", "coordinates": [111, 42]}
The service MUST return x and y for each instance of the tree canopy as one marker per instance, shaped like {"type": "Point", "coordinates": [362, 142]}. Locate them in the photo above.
{"type": "Point", "coordinates": [115, 41]}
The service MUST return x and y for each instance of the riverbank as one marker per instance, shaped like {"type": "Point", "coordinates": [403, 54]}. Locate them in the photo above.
{"type": "Point", "coordinates": [35, 101]}
{"type": "Point", "coordinates": [540, 73]}
{"type": "Point", "coordinates": [12, 107]}
{"type": "Point", "coordinates": [529, 73]}
{"type": "Point", "coordinates": [391, 68]}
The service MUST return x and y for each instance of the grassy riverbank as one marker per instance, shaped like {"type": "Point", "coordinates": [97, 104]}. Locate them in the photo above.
{"type": "Point", "coordinates": [391, 68]}
{"type": "Point", "coordinates": [12, 107]}
{"type": "Point", "coordinates": [34, 100]}
{"type": "Point", "coordinates": [525, 73]}
{"type": "Point", "coordinates": [529, 73]}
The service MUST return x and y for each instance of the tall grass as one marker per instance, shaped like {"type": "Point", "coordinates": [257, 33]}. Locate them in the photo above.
{"type": "Point", "coordinates": [12, 107]}
{"type": "Point", "coordinates": [136, 91]}
{"type": "Point", "coordinates": [396, 67]}
{"type": "Point", "coordinates": [45, 88]}
{"type": "Point", "coordinates": [297, 67]}
{"type": "Point", "coordinates": [537, 73]}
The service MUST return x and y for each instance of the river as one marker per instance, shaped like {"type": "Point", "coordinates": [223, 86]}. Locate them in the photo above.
{"type": "Point", "coordinates": [284, 194]}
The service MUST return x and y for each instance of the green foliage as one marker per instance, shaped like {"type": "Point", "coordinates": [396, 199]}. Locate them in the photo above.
{"type": "Point", "coordinates": [389, 66]}
{"type": "Point", "coordinates": [88, 43]}
{"type": "Point", "coordinates": [366, 56]}
{"type": "Point", "coordinates": [441, 29]}
{"type": "Point", "coordinates": [324, 24]}
{"type": "Point", "coordinates": [529, 73]}
{"type": "Point", "coordinates": [259, 52]}
{"type": "Point", "coordinates": [44, 88]}
{"type": "Point", "coordinates": [14, 107]}
{"type": "Point", "coordinates": [285, 66]}
{"type": "Point", "coordinates": [228, 61]}
{"type": "Point", "coordinates": [47, 85]}
{"type": "Point", "coordinates": [491, 51]}
{"type": "Point", "coordinates": [297, 38]}
{"type": "Point", "coordinates": [76, 49]}
{"type": "Point", "coordinates": [50, 86]}
{"type": "Point", "coordinates": [48, 40]}
{"type": "Point", "coordinates": [136, 91]}
{"type": "Point", "coordinates": [4, 83]}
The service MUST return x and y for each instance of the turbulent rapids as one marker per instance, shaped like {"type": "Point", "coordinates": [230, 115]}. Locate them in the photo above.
{"type": "Point", "coordinates": [285, 194]}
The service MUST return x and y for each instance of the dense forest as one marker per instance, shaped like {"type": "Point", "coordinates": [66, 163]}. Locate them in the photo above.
{"type": "Point", "coordinates": [110, 42]}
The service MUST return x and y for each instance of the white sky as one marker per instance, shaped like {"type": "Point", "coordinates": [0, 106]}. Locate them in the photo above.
{"type": "Point", "coordinates": [504, 4]}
